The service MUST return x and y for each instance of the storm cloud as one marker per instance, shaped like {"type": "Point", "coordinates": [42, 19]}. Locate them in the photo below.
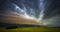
{"type": "Point", "coordinates": [48, 11]}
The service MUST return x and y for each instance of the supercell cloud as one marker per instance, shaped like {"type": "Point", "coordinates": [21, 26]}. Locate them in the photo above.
{"type": "Point", "coordinates": [42, 12]}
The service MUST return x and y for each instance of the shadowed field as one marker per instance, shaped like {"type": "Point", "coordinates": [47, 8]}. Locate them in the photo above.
{"type": "Point", "coordinates": [31, 29]}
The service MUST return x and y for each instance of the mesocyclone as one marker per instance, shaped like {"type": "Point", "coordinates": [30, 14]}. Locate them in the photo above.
{"type": "Point", "coordinates": [42, 12]}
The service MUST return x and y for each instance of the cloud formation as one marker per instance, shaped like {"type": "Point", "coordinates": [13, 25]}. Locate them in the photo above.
{"type": "Point", "coordinates": [15, 11]}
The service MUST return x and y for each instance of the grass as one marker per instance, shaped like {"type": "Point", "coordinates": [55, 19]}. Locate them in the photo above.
{"type": "Point", "coordinates": [31, 29]}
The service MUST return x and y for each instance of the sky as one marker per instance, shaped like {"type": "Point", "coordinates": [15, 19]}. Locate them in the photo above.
{"type": "Point", "coordinates": [45, 12]}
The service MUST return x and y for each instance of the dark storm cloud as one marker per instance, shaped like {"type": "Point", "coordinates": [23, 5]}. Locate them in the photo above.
{"type": "Point", "coordinates": [51, 9]}
{"type": "Point", "coordinates": [52, 13]}
{"type": "Point", "coordinates": [8, 6]}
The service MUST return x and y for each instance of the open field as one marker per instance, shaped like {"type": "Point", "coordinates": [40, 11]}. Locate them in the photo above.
{"type": "Point", "coordinates": [31, 29]}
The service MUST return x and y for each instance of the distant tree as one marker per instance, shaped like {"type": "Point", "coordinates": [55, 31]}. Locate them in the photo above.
{"type": "Point", "coordinates": [11, 27]}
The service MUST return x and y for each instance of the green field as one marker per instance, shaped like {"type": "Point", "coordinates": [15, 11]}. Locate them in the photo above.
{"type": "Point", "coordinates": [31, 29]}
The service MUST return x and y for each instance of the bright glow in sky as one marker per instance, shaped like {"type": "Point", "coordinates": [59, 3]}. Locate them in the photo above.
{"type": "Point", "coordinates": [24, 13]}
